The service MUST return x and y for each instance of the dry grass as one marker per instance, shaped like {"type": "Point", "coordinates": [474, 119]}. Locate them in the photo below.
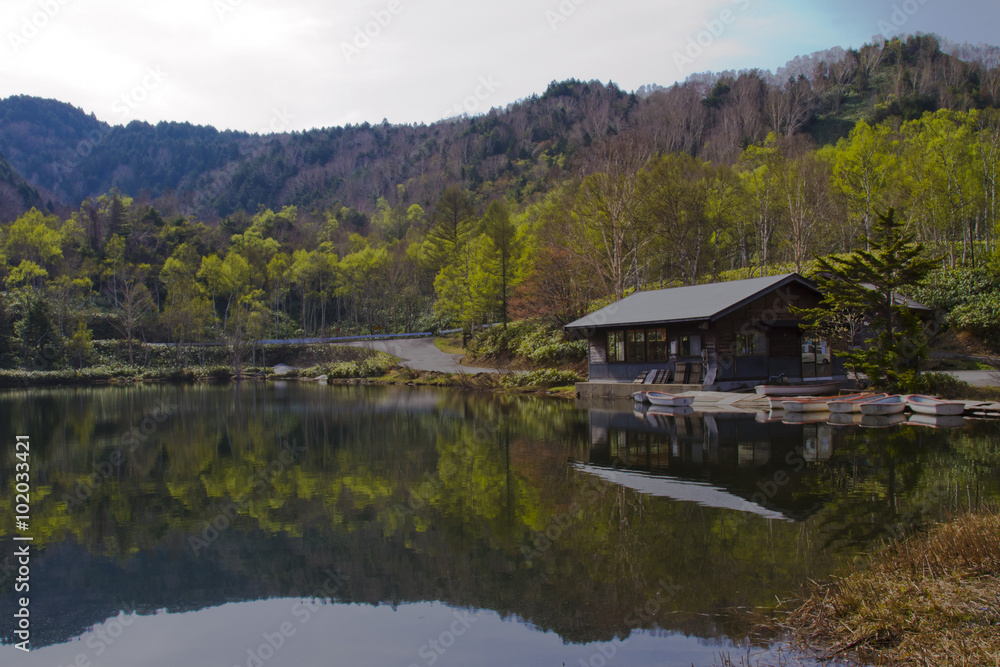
{"type": "Point", "coordinates": [933, 599]}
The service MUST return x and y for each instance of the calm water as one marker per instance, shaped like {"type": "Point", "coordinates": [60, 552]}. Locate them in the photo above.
{"type": "Point", "coordinates": [305, 525]}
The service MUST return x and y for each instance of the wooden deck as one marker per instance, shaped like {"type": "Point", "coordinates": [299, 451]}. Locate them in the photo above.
{"type": "Point", "coordinates": [987, 409]}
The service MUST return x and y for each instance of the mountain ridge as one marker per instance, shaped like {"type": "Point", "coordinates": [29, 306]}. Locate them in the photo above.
{"type": "Point", "coordinates": [67, 155]}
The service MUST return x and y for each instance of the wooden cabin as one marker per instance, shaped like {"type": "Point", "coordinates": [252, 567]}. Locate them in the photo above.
{"type": "Point", "coordinates": [722, 336]}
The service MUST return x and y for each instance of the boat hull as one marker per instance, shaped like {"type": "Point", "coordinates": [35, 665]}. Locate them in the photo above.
{"type": "Point", "coordinates": [844, 419]}
{"type": "Point", "coordinates": [887, 406]}
{"type": "Point", "coordinates": [928, 405]}
{"type": "Point", "coordinates": [937, 421]}
{"type": "Point", "coordinates": [669, 400]}
{"type": "Point", "coordinates": [849, 405]}
{"type": "Point", "coordinates": [882, 421]}
{"type": "Point", "coordinates": [805, 406]}
{"type": "Point", "coordinates": [640, 397]}
{"type": "Point", "coordinates": [818, 389]}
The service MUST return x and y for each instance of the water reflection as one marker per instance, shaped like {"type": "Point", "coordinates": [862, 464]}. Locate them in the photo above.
{"type": "Point", "coordinates": [583, 525]}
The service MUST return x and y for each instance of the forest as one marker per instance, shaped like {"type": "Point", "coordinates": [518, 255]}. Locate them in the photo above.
{"type": "Point", "coordinates": [544, 210]}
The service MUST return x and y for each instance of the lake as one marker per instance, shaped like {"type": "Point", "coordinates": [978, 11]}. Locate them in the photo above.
{"type": "Point", "coordinates": [296, 524]}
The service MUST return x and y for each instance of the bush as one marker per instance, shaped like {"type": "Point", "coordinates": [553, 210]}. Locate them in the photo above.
{"type": "Point", "coordinates": [934, 384]}
{"type": "Point", "coordinates": [534, 341]}
{"type": "Point", "coordinates": [547, 377]}
{"type": "Point", "coordinates": [981, 315]}
{"type": "Point", "coordinates": [948, 289]}
{"type": "Point", "coordinates": [375, 365]}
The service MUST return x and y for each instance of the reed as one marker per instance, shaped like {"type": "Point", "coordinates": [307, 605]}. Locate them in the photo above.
{"type": "Point", "coordinates": [931, 599]}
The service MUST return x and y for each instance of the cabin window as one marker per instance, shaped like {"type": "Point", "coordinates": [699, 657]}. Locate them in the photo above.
{"type": "Point", "coordinates": [635, 346]}
{"type": "Point", "coordinates": [686, 346]}
{"type": "Point", "coordinates": [817, 360]}
{"type": "Point", "coordinates": [656, 345]}
{"type": "Point", "coordinates": [616, 347]}
{"type": "Point", "coordinates": [753, 344]}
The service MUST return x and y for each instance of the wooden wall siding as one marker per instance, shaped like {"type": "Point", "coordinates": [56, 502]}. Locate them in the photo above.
{"type": "Point", "coordinates": [599, 348]}
{"type": "Point", "coordinates": [761, 313]}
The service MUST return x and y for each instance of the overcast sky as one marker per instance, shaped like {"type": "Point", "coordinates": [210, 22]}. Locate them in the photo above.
{"type": "Point", "coordinates": [263, 65]}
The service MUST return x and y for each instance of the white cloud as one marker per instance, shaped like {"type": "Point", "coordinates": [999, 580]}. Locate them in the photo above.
{"type": "Point", "coordinates": [233, 63]}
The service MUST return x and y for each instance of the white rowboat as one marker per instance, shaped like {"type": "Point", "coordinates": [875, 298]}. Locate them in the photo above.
{"type": "Point", "coordinates": [669, 400]}
{"type": "Point", "coordinates": [806, 404]}
{"type": "Point", "coordinates": [852, 404]}
{"type": "Point", "coordinates": [844, 419]}
{"type": "Point", "coordinates": [815, 389]}
{"type": "Point", "coordinates": [805, 417]}
{"type": "Point", "coordinates": [890, 405]}
{"type": "Point", "coordinates": [929, 405]}
{"type": "Point", "coordinates": [681, 411]}
{"type": "Point", "coordinates": [882, 421]}
{"type": "Point", "coordinates": [937, 421]}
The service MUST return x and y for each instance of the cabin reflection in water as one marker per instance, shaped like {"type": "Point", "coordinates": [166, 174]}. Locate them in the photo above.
{"type": "Point", "coordinates": [724, 460]}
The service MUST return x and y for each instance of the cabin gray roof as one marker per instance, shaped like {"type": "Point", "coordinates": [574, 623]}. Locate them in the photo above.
{"type": "Point", "coordinates": [685, 304]}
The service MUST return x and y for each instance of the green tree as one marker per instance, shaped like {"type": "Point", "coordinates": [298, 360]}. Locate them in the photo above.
{"type": "Point", "coordinates": [188, 314]}
{"type": "Point", "coordinates": [502, 232]}
{"type": "Point", "coordinates": [864, 167]}
{"type": "Point", "coordinates": [80, 343]}
{"type": "Point", "coordinates": [868, 286]}
{"type": "Point", "coordinates": [452, 224]}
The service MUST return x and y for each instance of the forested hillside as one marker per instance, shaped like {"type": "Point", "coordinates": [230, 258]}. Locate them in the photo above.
{"type": "Point", "coordinates": [517, 152]}
{"type": "Point", "coordinates": [543, 209]}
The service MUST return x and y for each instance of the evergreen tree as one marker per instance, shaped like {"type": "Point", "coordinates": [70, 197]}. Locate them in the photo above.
{"type": "Point", "coordinates": [864, 294]}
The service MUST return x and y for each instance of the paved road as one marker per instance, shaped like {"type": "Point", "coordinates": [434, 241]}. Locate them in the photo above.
{"type": "Point", "coordinates": [978, 378]}
{"type": "Point", "coordinates": [422, 354]}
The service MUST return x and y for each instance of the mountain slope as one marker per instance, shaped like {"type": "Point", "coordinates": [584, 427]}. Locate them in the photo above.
{"type": "Point", "coordinates": [16, 196]}
{"type": "Point", "coordinates": [517, 152]}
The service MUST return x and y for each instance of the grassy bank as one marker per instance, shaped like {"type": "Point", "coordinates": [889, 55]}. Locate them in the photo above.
{"type": "Point", "coordinates": [932, 599]}
{"type": "Point", "coordinates": [108, 363]}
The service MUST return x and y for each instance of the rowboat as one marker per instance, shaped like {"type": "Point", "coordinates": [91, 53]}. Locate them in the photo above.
{"type": "Point", "coordinates": [640, 397]}
{"type": "Point", "coordinates": [807, 404]}
{"type": "Point", "coordinates": [805, 417]}
{"type": "Point", "coordinates": [849, 404]}
{"type": "Point", "coordinates": [844, 418]}
{"type": "Point", "coordinates": [679, 411]}
{"type": "Point", "coordinates": [669, 400]}
{"type": "Point", "coordinates": [937, 421]}
{"type": "Point", "coordinates": [812, 389]}
{"type": "Point", "coordinates": [930, 405]}
{"type": "Point", "coordinates": [890, 405]}
{"type": "Point", "coordinates": [882, 421]}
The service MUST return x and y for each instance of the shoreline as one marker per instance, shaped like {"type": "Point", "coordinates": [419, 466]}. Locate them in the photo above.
{"type": "Point", "coordinates": [932, 597]}
{"type": "Point", "coordinates": [399, 377]}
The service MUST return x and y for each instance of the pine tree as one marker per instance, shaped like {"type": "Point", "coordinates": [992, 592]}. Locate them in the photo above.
{"type": "Point", "coordinates": [864, 294]}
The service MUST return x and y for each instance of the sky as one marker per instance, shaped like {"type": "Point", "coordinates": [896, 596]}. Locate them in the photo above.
{"type": "Point", "coordinates": [283, 65]}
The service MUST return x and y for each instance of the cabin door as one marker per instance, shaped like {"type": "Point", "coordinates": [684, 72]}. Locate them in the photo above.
{"type": "Point", "coordinates": [817, 359]}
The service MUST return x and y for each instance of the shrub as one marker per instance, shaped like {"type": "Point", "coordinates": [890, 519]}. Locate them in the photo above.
{"type": "Point", "coordinates": [537, 342]}
{"type": "Point", "coordinates": [547, 377]}
{"type": "Point", "coordinates": [981, 315]}
{"type": "Point", "coordinates": [375, 365]}
{"type": "Point", "coordinates": [934, 384]}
